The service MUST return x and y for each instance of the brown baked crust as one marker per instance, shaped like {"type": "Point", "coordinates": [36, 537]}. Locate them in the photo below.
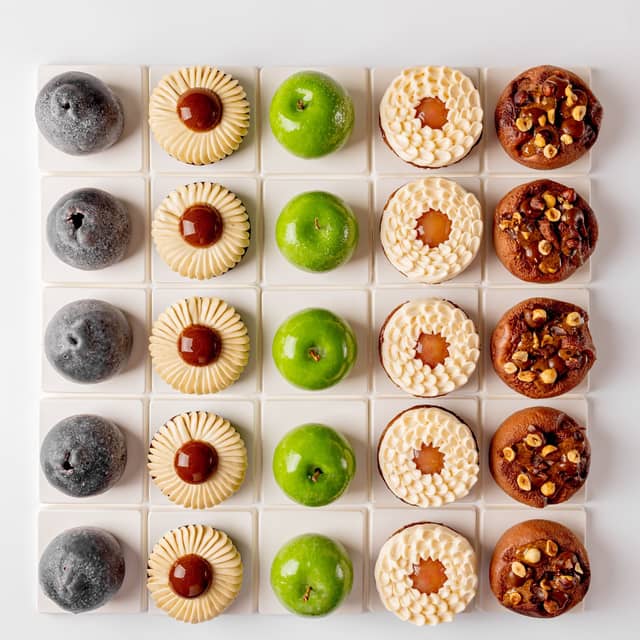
{"type": "Point", "coordinates": [565, 575]}
{"type": "Point", "coordinates": [526, 91]}
{"type": "Point", "coordinates": [543, 239]}
{"type": "Point", "coordinates": [552, 345]}
{"type": "Point", "coordinates": [540, 456]}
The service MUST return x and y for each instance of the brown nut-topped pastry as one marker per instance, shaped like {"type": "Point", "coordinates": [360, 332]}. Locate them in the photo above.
{"type": "Point", "coordinates": [543, 231]}
{"type": "Point", "coordinates": [542, 347]}
{"type": "Point", "coordinates": [539, 569]}
{"type": "Point", "coordinates": [540, 456]}
{"type": "Point", "coordinates": [547, 117]}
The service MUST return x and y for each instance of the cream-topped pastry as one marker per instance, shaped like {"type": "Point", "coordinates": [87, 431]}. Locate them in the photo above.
{"type": "Point", "coordinates": [199, 345]}
{"type": "Point", "coordinates": [431, 229]}
{"type": "Point", "coordinates": [431, 116]}
{"type": "Point", "coordinates": [194, 573]}
{"type": "Point", "coordinates": [426, 573]}
{"type": "Point", "coordinates": [201, 230]}
{"type": "Point", "coordinates": [428, 457]}
{"type": "Point", "coordinates": [199, 114]}
{"type": "Point", "coordinates": [429, 347]}
{"type": "Point", "coordinates": [197, 459]}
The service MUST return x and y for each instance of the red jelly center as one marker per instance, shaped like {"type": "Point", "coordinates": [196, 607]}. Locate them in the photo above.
{"type": "Point", "coordinates": [199, 346]}
{"type": "Point", "coordinates": [201, 225]}
{"type": "Point", "coordinates": [190, 576]}
{"type": "Point", "coordinates": [195, 462]}
{"type": "Point", "coordinates": [199, 109]}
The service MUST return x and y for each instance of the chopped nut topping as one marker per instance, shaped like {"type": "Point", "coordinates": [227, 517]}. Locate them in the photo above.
{"type": "Point", "coordinates": [573, 456]}
{"type": "Point", "coordinates": [532, 555]}
{"type": "Point", "coordinates": [526, 234]}
{"type": "Point", "coordinates": [539, 314]}
{"type": "Point", "coordinates": [578, 568]}
{"type": "Point", "coordinates": [550, 151]}
{"type": "Point", "coordinates": [520, 356]}
{"type": "Point", "coordinates": [512, 597]}
{"type": "Point", "coordinates": [539, 140]}
{"type": "Point", "coordinates": [546, 339]}
{"type": "Point", "coordinates": [548, 489]}
{"type": "Point", "coordinates": [526, 376]}
{"type": "Point", "coordinates": [524, 123]}
{"type": "Point", "coordinates": [579, 112]}
{"type": "Point", "coordinates": [518, 569]}
{"type": "Point", "coordinates": [542, 120]}
{"type": "Point", "coordinates": [547, 449]}
{"type": "Point", "coordinates": [523, 482]}
{"type": "Point", "coordinates": [533, 440]}
{"type": "Point", "coordinates": [509, 367]}
{"type": "Point", "coordinates": [509, 454]}
{"type": "Point", "coordinates": [552, 214]}
{"type": "Point", "coordinates": [565, 138]}
{"type": "Point", "coordinates": [574, 319]}
{"type": "Point", "coordinates": [544, 247]}
{"type": "Point", "coordinates": [551, 115]}
{"type": "Point", "coordinates": [548, 376]}
{"type": "Point", "coordinates": [549, 199]}
{"type": "Point", "coordinates": [550, 548]}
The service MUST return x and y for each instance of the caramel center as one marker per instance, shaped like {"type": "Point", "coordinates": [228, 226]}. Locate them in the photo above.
{"type": "Point", "coordinates": [195, 462]}
{"type": "Point", "coordinates": [433, 228]}
{"type": "Point", "coordinates": [201, 225]}
{"type": "Point", "coordinates": [191, 576]}
{"type": "Point", "coordinates": [432, 113]}
{"type": "Point", "coordinates": [199, 109]}
{"type": "Point", "coordinates": [432, 349]}
{"type": "Point", "coordinates": [428, 459]}
{"type": "Point", "coordinates": [199, 346]}
{"type": "Point", "coordinates": [428, 576]}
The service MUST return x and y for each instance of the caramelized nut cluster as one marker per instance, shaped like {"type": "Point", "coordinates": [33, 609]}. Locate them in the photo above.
{"type": "Point", "coordinates": [543, 579]}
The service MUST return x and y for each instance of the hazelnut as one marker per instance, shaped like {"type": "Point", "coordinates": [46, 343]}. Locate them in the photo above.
{"type": "Point", "coordinates": [552, 214]}
{"type": "Point", "coordinates": [548, 489]}
{"type": "Point", "coordinates": [573, 456]}
{"type": "Point", "coordinates": [533, 440]}
{"type": "Point", "coordinates": [547, 449]}
{"type": "Point", "coordinates": [509, 454]}
{"type": "Point", "coordinates": [565, 138]}
{"type": "Point", "coordinates": [509, 367]}
{"type": "Point", "coordinates": [549, 199]}
{"type": "Point", "coordinates": [525, 234]}
{"type": "Point", "coordinates": [512, 597]}
{"type": "Point", "coordinates": [550, 151]}
{"type": "Point", "coordinates": [538, 315]}
{"type": "Point", "coordinates": [520, 356]}
{"type": "Point", "coordinates": [539, 140]}
{"type": "Point", "coordinates": [518, 569]}
{"type": "Point", "coordinates": [579, 112]}
{"type": "Point", "coordinates": [578, 569]}
{"type": "Point", "coordinates": [544, 247]}
{"type": "Point", "coordinates": [542, 120]}
{"type": "Point", "coordinates": [545, 584]}
{"type": "Point", "coordinates": [574, 319]}
{"type": "Point", "coordinates": [523, 482]}
{"type": "Point", "coordinates": [551, 115]}
{"type": "Point", "coordinates": [550, 548]}
{"type": "Point", "coordinates": [526, 376]}
{"type": "Point", "coordinates": [532, 555]}
{"type": "Point", "coordinates": [565, 354]}
{"type": "Point", "coordinates": [546, 339]}
{"type": "Point", "coordinates": [516, 217]}
{"type": "Point", "coordinates": [524, 123]}
{"type": "Point", "coordinates": [548, 376]}
{"type": "Point", "coordinates": [550, 606]}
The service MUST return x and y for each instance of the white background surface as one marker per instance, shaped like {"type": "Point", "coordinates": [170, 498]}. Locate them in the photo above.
{"type": "Point", "coordinates": [315, 32]}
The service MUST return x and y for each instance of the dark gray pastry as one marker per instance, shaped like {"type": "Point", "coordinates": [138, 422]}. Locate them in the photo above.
{"type": "Point", "coordinates": [88, 341]}
{"type": "Point", "coordinates": [79, 114]}
{"type": "Point", "coordinates": [88, 229]}
{"type": "Point", "coordinates": [82, 569]}
{"type": "Point", "coordinates": [83, 455]}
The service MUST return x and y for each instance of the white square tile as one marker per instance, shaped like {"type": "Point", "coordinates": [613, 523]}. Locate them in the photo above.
{"type": "Point", "coordinates": [497, 160]}
{"type": "Point", "coordinates": [353, 158]}
{"type": "Point", "coordinates": [348, 417]}
{"type": "Point", "coordinates": [386, 522]}
{"type": "Point", "coordinates": [242, 416]}
{"type": "Point", "coordinates": [133, 302]}
{"type": "Point", "coordinates": [386, 300]}
{"type": "Point", "coordinates": [247, 271]}
{"type": "Point", "coordinates": [351, 305]}
{"type": "Point", "coordinates": [240, 526]}
{"type": "Point", "coordinates": [499, 301]}
{"type": "Point", "coordinates": [126, 155]}
{"type": "Point", "coordinates": [126, 526]}
{"type": "Point", "coordinates": [278, 526]}
{"type": "Point", "coordinates": [243, 160]}
{"type": "Point", "coordinates": [132, 192]}
{"type": "Point", "coordinates": [278, 271]}
{"type": "Point", "coordinates": [128, 415]}
{"type": "Point", "coordinates": [245, 301]}
{"type": "Point", "coordinates": [494, 412]}
{"type": "Point", "coordinates": [385, 410]}
{"type": "Point", "coordinates": [386, 161]}
{"type": "Point", "coordinates": [495, 521]}
{"type": "Point", "coordinates": [385, 272]}
{"type": "Point", "coordinates": [496, 187]}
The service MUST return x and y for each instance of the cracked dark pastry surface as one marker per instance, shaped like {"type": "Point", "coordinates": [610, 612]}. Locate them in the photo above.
{"type": "Point", "coordinates": [547, 117]}
{"type": "Point", "coordinates": [543, 231]}
{"type": "Point", "coordinates": [540, 569]}
{"type": "Point", "coordinates": [542, 347]}
{"type": "Point", "coordinates": [540, 456]}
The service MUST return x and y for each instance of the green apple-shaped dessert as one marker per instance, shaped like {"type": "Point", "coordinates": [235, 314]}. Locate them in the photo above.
{"type": "Point", "coordinates": [314, 349]}
{"type": "Point", "coordinates": [311, 114]}
{"type": "Point", "coordinates": [317, 231]}
{"type": "Point", "coordinates": [314, 464]}
{"type": "Point", "coordinates": [312, 575]}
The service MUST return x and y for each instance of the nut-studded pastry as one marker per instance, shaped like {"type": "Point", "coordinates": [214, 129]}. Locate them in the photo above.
{"type": "Point", "coordinates": [542, 347]}
{"type": "Point", "coordinates": [431, 229]}
{"type": "Point", "coordinates": [539, 569]}
{"type": "Point", "coordinates": [197, 459]}
{"type": "Point", "coordinates": [199, 345]}
{"type": "Point", "coordinates": [547, 117]}
{"type": "Point", "coordinates": [199, 114]}
{"type": "Point", "coordinates": [201, 230]}
{"type": "Point", "coordinates": [428, 457]}
{"type": "Point", "coordinates": [194, 573]}
{"type": "Point", "coordinates": [540, 456]}
{"type": "Point", "coordinates": [426, 573]}
{"type": "Point", "coordinates": [543, 231]}
{"type": "Point", "coordinates": [428, 347]}
{"type": "Point", "coordinates": [431, 116]}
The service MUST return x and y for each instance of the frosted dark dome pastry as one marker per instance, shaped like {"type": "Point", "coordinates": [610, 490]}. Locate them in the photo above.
{"type": "Point", "coordinates": [88, 229]}
{"type": "Point", "coordinates": [79, 114]}
{"type": "Point", "coordinates": [194, 573]}
{"type": "Point", "coordinates": [81, 569]}
{"type": "Point", "coordinates": [83, 455]}
{"type": "Point", "coordinates": [197, 459]}
{"type": "Point", "coordinates": [431, 116]}
{"type": "Point", "coordinates": [88, 341]}
{"type": "Point", "coordinates": [201, 230]}
{"type": "Point", "coordinates": [199, 114]}
{"type": "Point", "coordinates": [199, 345]}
